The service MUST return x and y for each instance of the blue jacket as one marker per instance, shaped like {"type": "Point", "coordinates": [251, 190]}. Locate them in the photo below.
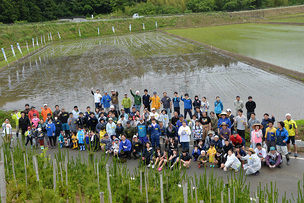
{"type": "Point", "coordinates": [198, 152]}
{"type": "Point", "coordinates": [126, 147]}
{"type": "Point", "coordinates": [226, 120]}
{"type": "Point", "coordinates": [173, 132]}
{"type": "Point", "coordinates": [187, 103]}
{"type": "Point", "coordinates": [179, 124]}
{"type": "Point", "coordinates": [105, 100]}
{"type": "Point", "coordinates": [282, 135]}
{"type": "Point", "coordinates": [141, 129]}
{"type": "Point", "coordinates": [163, 131]}
{"type": "Point", "coordinates": [176, 101]}
{"type": "Point", "coordinates": [265, 124]}
{"type": "Point", "coordinates": [155, 131]}
{"type": "Point", "coordinates": [80, 137]}
{"type": "Point", "coordinates": [50, 129]}
{"type": "Point", "coordinates": [218, 144]}
{"type": "Point", "coordinates": [218, 107]}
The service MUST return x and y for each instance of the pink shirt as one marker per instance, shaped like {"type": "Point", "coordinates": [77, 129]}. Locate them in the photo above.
{"type": "Point", "coordinates": [256, 136]}
{"type": "Point", "coordinates": [35, 121]}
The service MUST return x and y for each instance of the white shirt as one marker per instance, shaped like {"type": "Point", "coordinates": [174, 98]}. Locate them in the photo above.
{"type": "Point", "coordinates": [261, 154]}
{"type": "Point", "coordinates": [97, 97]}
{"type": "Point", "coordinates": [184, 133]}
{"type": "Point", "coordinates": [8, 128]}
{"type": "Point", "coordinates": [156, 115]}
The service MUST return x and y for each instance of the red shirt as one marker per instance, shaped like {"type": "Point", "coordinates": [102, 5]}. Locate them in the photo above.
{"type": "Point", "coordinates": [31, 114]}
{"type": "Point", "coordinates": [236, 140]}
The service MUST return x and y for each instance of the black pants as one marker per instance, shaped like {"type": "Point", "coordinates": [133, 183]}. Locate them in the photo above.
{"type": "Point", "coordinates": [241, 133]}
{"type": "Point", "coordinates": [53, 141]}
{"type": "Point", "coordinates": [195, 155]}
{"type": "Point", "coordinates": [126, 154]}
{"type": "Point", "coordinates": [29, 139]}
{"type": "Point", "coordinates": [147, 107]}
{"type": "Point", "coordinates": [189, 112]}
{"type": "Point", "coordinates": [177, 109]}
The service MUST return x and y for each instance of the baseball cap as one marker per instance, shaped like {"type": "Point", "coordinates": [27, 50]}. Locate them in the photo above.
{"type": "Point", "coordinates": [128, 122]}
{"type": "Point", "coordinates": [288, 114]}
{"type": "Point", "coordinates": [228, 110]}
{"type": "Point", "coordinates": [49, 114]}
{"type": "Point", "coordinates": [32, 107]}
{"type": "Point", "coordinates": [110, 119]}
{"type": "Point", "coordinates": [216, 136]}
{"type": "Point", "coordinates": [29, 127]}
{"type": "Point", "coordinates": [180, 115]}
{"type": "Point", "coordinates": [116, 139]}
{"type": "Point", "coordinates": [134, 136]}
{"type": "Point", "coordinates": [34, 114]}
{"type": "Point", "coordinates": [44, 104]}
{"type": "Point", "coordinates": [154, 92]}
{"type": "Point", "coordinates": [112, 90]}
{"type": "Point", "coordinates": [272, 148]}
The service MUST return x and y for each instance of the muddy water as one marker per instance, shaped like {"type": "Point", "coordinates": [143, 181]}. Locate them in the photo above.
{"type": "Point", "coordinates": [64, 73]}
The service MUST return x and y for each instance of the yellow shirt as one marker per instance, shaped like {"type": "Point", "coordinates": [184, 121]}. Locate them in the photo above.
{"type": "Point", "coordinates": [101, 135]}
{"type": "Point", "coordinates": [271, 132]}
{"type": "Point", "coordinates": [211, 152]}
{"type": "Point", "coordinates": [291, 127]}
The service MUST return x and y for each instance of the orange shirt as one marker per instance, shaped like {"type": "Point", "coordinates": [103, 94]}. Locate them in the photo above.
{"type": "Point", "coordinates": [155, 102]}
{"type": "Point", "coordinates": [44, 113]}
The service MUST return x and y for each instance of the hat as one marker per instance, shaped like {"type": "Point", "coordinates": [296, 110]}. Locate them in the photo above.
{"type": "Point", "coordinates": [112, 107]}
{"type": "Point", "coordinates": [272, 148]}
{"type": "Point", "coordinates": [152, 109]}
{"type": "Point", "coordinates": [110, 119]}
{"type": "Point", "coordinates": [33, 107]}
{"type": "Point", "coordinates": [154, 92]}
{"type": "Point", "coordinates": [137, 92]}
{"type": "Point", "coordinates": [106, 92]}
{"type": "Point", "coordinates": [224, 123]}
{"type": "Point", "coordinates": [29, 127]}
{"type": "Point", "coordinates": [223, 113]}
{"type": "Point", "coordinates": [216, 136]}
{"type": "Point", "coordinates": [34, 114]}
{"type": "Point", "coordinates": [288, 114]}
{"type": "Point", "coordinates": [48, 114]}
{"type": "Point", "coordinates": [39, 129]}
{"type": "Point", "coordinates": [250, 150]}
{"type": "Point", "coordinates": [234, 132]}
{"type": "Point", "coordinates": [257, 124]}
{"type": "Point", "coordinates": [75, 107]}
{"type": "Point", "coordinates": [210, 132]}
{"type": "Point", "coordinates": [228, 110]}
{"type": "Point", "coordinates": [125, 93]}
{"type": "Point", "coordinates": [128, 122]}
{"type": "Point", "coordinates": [112, 91]}
{"type": "Point", "coordinates": [43, 105]}
{"type": "Point", "coordinates": [116, 139]}
{"type": "Point", "coordinates": [118, 122]}
{"type": "Point", "coordinates": [134, 136]}
{"type": "Point", "coordinates": [180, 115]}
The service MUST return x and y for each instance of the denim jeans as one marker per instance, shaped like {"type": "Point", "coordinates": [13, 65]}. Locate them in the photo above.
{"type": "Point", "coordinates": [137, 107]}
{"type": "Point", "coordinates": [168, 112]}
{"type": "Point", "coordinates": [127, 110]}
{"type": "Point", "coordinates": [155, 141]}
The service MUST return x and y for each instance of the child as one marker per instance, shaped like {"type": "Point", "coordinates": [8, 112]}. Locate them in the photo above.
{"type": "Point", "coordinates": [35, 120]}
{"type": "Point", "coordinates": [74, 140]}
{"type": "Point", "coordinates": [61, 139]}
{"type": "Point", "coordinates": [174, 158]}
{"type": "Point", "coordinates": [201, 145]}
{"type": "Point", "coordinates": [116, 147]}
{"type": "Point", "coordinates": [219, 159]}
{"type": "Point", "coordinates": [80, 138]}
{"type": "Point", "coordinates": [87, 138]}
{"type": "Point", "coordinates": [202, 159]}
{"type": "Point", "coordinates": [163, 161]}
{"type": "Point", "coordinates": [256, 135]}
{"type": "Point", "coordinates": [34, 133]}
{"type": "Point", "coordinates": [192, 124]}
{"type": "Point", "coordinates": [148, 155]}
{"type": "Point", "coordinates": [119, 129]}
{"type": "Point", "coordinates": [197, 131]}
{"type": "Point", "coordinates": [102, 134]}
{"type": "Point", "coordinates": [196, 152]}
{"type": "Point", "coordinates": [28, 136]}
{"type": "Point", "coordinates": [239, 153]}
{"type": "Point", "coordinates": [94, 141]}
{"type": "Point", "coordinates": [157, 156]}
{"type": "Point", "coordinates": [185, 159]}
{"type": "Point", "coordinates": [232, 162]}
{"type": "Point", "coordinates": [164, 118]}
{"type": "Point", "coordinates": [107, 148]}
{"type": "Point", "coordinates": [40, 136]}
{"type": "Point", "coordinates": [211, 154]}
{"type": "Point", "coordinates": [172, 145]}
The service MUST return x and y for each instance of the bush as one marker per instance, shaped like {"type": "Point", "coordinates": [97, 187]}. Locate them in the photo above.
{"type": "Point", "coordinates": [201, 6]}
{"type": "Point", "coordinates": [7, 114]}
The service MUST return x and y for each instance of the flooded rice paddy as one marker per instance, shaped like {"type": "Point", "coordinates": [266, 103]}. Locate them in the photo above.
{"type": "Point", "coordinates": [64, 73]}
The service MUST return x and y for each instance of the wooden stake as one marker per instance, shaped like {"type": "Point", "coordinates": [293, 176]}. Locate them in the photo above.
{"type": "Point", "coordinates": [2, 182]}
{"type": "Point", "coordinates": [140, 187]}
{"type": "Point", "coordinates": [222, 197]}
{"type": "Point", "coordinates": [196, 201]}
{"type": "Point", "coordinates": [108, 181]}
{"type": "Point", "coordinates": [2, 155]}
{"type": "Point", "coordinates": [257, 200]}
{"type": "Point", "coordinates": [61, 173]}
{"type": "Point", "coordinates": [98, 176]}
{"type": "Point", "coordinates": [233, 194]}
{"type": "Point", "coordinates": [185, 191]}
{"type": "Point", "coordinates": [229, 200]}
{"type": "Point", "coordinates": [101, 196]}
{"type": "Point", "coordinates": [13, 168]}
{"type": "Point", "coordinates": [54, 174]}
{"type": "Point", "coordinates": [210, 196]}
{"type": "Point", "coordinates": [191, 190]}
{"type": "Point", "coordinates": [161, 189]}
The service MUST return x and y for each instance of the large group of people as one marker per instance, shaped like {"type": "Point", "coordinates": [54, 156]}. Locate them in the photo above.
{"type": "Point", "coordinates": [145, 130]}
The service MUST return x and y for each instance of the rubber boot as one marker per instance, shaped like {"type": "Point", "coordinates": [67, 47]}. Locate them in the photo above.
{"type": "Point", "coordinates": [287, 159]}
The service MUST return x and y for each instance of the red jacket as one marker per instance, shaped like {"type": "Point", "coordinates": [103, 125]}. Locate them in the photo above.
{"type": "Point", "coordinates": [236, 140]}
{"type": "Point", "coordinates": [31, 114]}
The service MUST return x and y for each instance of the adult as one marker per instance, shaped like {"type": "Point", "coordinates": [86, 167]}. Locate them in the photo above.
{"type": "Point", "coordinates": [76, 112]}
{"type": "Point", "coordinates": [223, 118]}
{"type": "Point", "coordinates": [187, 105]}
{"type": "Point", "coordinates": [72, 122]}
{"type": "Point", "coordinates": [154, 130]}
{"type": "Point", "coordinates": [137, 99]}
{"type": "Point", "coordinates": [205, 105]}
{"type": "Point", "coordinates": [7, 131]}
{"type": "Point", "coordinates": [184, 132]}
{"type": "Point", "coordinates": [176, 100]}
{"type": "Point", "coordinates": [273, 158]}
{"type": "Point", "coordinates": [146, 100]}
{"type": "Point", "coordinates": [141, 130]}
{"type": "Point", "coordinates": [265, 122]}
{"type": "Point", "coordinates": [105, 100]}
{"type": "Point", "coordinates": [218, 106]}
{"type": "Point", "coordinates": [214, 121]}
{"type": "Point", "coordinates": [137, 147]}
{"type": "Point", "coordinates": [238, 104]}
{"type": "Point", "coordinates": [292, 128]}
{"type": "Point", "coordinates": [250, 106]}
{"type": "Point", "coordinates": [63, 117]}
{"type": "Point", "coordinates": [270, 136]}
{"type": "Point", "coordinates": [24, 122]}
{"type": "Point", "coordinates": [179, 123]}
{"type": "Point", "coordinates": [225, 132]}
{"type": "Point", "coordinates": [87, 113]}
{"type": "Point", "coordinates": [97, 98]}
{"type": "Point", "coordinates": [241, 122]}
{"type": "Point", "coordinates": [129, 131]}
{"type": "Point", "coordinates": [114, 100]}
{"type": "Point", "coordinates": [123, 113]}
{"type": "Point", "coordinates": [111, 127]}
{"type": "Point", "coordinates": [253, 165]}
{"type": "Point", "coordinates": [253, 120]}
{"type": "Point", "coordinates": [175, 118]}
{"type": "Point", "coordinates": [58, 127]}
{"type": "Point", "coordinates": [167, 104]}
{"type": "Point", "coordinates": [113, 111]}
{"type": "Point", "coordinates": [196, 103]}
{"type": "Point", "coordinates": [92, 122]}
{"type": "Point", "coordinates": [261, 153]}
{"type": "Point", "coordinates": [198, 113]}
{"type": "Point", "coordinates": [126, 103]}
{"type": "Point", "coordinates": [26, 110]}
{"type": "Point", "coordinates": [81, 121]}
{"type": "Point", "coordinates": [45, 111]}
{"type": "Point", "coordinates": [236, 139]}
{"type": "Point", "coordinates": [232, 162]}
{"type": "Point", "coordinates": [154, 114]}
{"type": "Point", "coordinates": [56, 112]}
{"type": "Point", "coordinates": [155, 101]}
{"type": "Point", "coordinates": [32, 112]}
{"type": "Point", "coordinates": [125, 147]}
{"type": "Point", "coordinates": [206, 124]}
{"type": "Point", "coordinates": [16, 116]}
{"type": "Point", "coordinates": [281, 140]}
{"type": "Point", "coordinates": [231, 117]}
{"type": "Point", "coordinates": [50, 129]}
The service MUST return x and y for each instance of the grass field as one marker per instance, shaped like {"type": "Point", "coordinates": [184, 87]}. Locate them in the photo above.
{"type": "Point", "coordinates": [299, 19]}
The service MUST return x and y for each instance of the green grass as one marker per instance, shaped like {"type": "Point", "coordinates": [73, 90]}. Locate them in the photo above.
{"type": "Point", "coordinates": [299, 19]}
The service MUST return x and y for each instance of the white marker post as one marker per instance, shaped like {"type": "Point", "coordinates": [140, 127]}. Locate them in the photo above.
{"type": "Point", "coordinates": [28, 51]}
{"type": "Point", "coordinates": [51, 36]}
{"type": "Point", "coordinates": [79, 33]}
{"type": "Point", "coordinates": [4, 55]}
{"type": "Point", "coordinates": [33, 41]}
{"type": "Point", "coordinates": [2, 182]}
{"type": "Point", "coordinates": [156, 25]}
{"type": "Point", "coordinates": [13, 51]}
{"type": "Point", "coordinates": [18, 46]}
{"type": "Point", "coordinates": [130, 27]}
{"type": "Point", "coordinates": [113, 29]}
{"type": "Point", "coordinates": [98, 31]}
{"type": "Point", "coordinates": [144, 26]}
{"type": "Point", "coordinates": [59, 35]}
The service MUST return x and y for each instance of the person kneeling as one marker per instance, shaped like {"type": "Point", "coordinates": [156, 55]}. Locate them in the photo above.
{"type": "Point", "coordinates": [202, 159]}
{"type": "Point", "coordinates": [185, 159]}
{"type": "Point", "coordinates": [232, 162]}
{"type": "Point", "coordinates": [253, 162]}
{"type": "Point", "coordinates": [261, 153]}
{"type": "Point", "coordinates": [220, 158]}
{"type": "Point", "coordinates": [273, 158]}
{"type": "Point", "coordinates": [125, 147]}
{"type": "Point", "coordinates": [148, 155]}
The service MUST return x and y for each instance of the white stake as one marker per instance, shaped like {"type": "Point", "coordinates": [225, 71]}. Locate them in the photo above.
{"type": "Point", "coordinates": [25, 171]}
{"type": "Point", "coordinates": [140, 181]}
{"type": "Point", "coordinates": [101, 195]}
{"type": "Point", "coordinates": [108, 181]}
{"type": "Point", "coordinates": [98, 176]}
{"type": "Point", "coordinates": [161, 189]}
{"type": "Point", "coordinates": [54, 174]}
{"type": "Point", "coordinates": [185, 191]}
{"type": "Point", "coordinates": [146, 187]}
{"type": "Point", "coordinates": [2, 182]}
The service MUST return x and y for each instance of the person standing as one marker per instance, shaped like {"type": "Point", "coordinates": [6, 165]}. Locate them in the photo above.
{"type": "Point", "coordinates": [63, 117]}
{"type": "Point", "coordinates": [50, 129]}
{"type": "Point", "coordinates": [26, 110]}
{"type": "Point", "coordinates": [56, 112]}
{"type": "Point", "coordinates": [281, 140]}
{"type": "Point", "coordinates": [292, 128]}
{"type": "Point", "coordinates": [205, 105]}
{"type": "Point", "coordinates": [231, 118]}
{"type": "Point", "coordinates": [238, 104]}
{"type": "Point", "coordinates": [146, 100]}
{"type": "Point", "coordinates": [196, 103]}
{"type": "Point", "coordinates": [187, 105]}
{"type": "Point", "coordinates": [241, 122]}
{"type": "Point", "coordinates": [176, 101]}
{"type": "Point", "coordinates": [126, 103]}
{"type": "Point", "coordinates": [7, 131]}
{"type": "Point", "coordinates": [45, 111]}
{"type": "Point", "coordinates": [155, 102]}
{"type": "Point", "coordinates": [265, 123]}
{"type": "Point", "coordinates": [105, 100]}
{"type": "Point", "coordinates": [253, 120]}
{"type": "Point", "coordinates": [167, 104]}
{"type": "Point", "coordinates": [114, 99]}
{"type": "Point", "coordinates": [184, 132]}
{"type": "Point", "coordinates": [250, 106]}
{"type": "Point", "coordinates": [97, 98]}
{"type": "Point", "coordinates": [24, 122]}
{"type": "Point", "coordinates": [76, 112]}
{"type": "Point", "coordinates": [137, 100]}
{"type": "Point", "coordinates": [218, 106]}
{"type": "Point", "coordinates": [214, 121]}
{"type": "Point", "coordinates": [154, 130]}
{"type": "Point", "coordinates": [16, 116]}
{"type": "Point", "coordinates": [32, 112]}
{"type": "Point", "coordinates": [270, 136]}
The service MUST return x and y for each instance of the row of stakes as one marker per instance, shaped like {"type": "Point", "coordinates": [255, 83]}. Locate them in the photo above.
{"type": "Point", "coordinates": [50, 38]}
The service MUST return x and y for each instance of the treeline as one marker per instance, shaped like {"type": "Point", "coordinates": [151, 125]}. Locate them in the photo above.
{"type": "Point", "coordinates": [14, 11]}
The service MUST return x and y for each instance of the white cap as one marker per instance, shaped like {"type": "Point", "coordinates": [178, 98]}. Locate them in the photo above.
{"type": "Point", "coordinates": [134, 136]}
{"type": "Point", "coordinates": [216, 136]}
{"type": "Point", "coordinates": [112, 90]}
{"type": "Point", "coordinates": [137, 92]}
{"type": "Point", "coordinates": [152, 109]}
{"type": "Point", "coordinates": [44, 104]}
{"type": "Point", "coordinates": [112, 107]}
{"type": "Point", "coordinates": [228, 110]}
{"type": "Point", "coordinates": [288, 114]}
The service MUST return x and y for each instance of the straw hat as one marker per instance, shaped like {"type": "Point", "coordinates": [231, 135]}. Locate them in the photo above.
{"type": "Point", "coordinates": [257, 124]}
{"type": "Point", "coordinates": [223, 113]}
{"type": "Point", "coordinates": [224, 123]}
{"type": "Point", "coordinates": [251, 150]}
